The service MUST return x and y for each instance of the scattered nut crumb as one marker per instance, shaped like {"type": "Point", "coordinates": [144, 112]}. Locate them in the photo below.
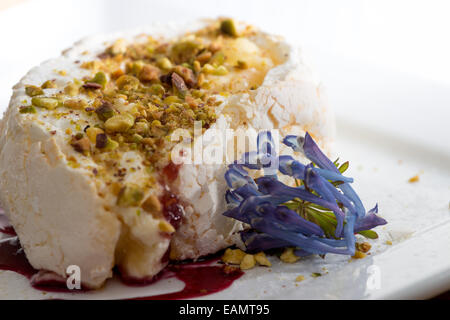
{"type": "Point", "coordinates": [363, 247]}
{"type": "Point", "coordinates": [299, 278]}
{"type": "Point", "coordinates": [288, 256]}
{"type": "Point", "coordinates": [230, 269]}
{"type": "Point", "coordinates": [414, 179]}
{"type": "Point", "coordinates": [359, 255]}
{"type": "Point", "coordinates": [248, 262]}
{"type": "Point", "coordinates": [233, 256]}
{"type": "Point", "coordinates": [262, 260]}
{"type": "Point", "coordinates": [165, 226]}
{"type": "Point", "coordinates": [389, 243]}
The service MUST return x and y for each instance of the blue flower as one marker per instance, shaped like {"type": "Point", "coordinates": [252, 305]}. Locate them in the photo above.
{"type": "Point", "coordinates": [318, 216]}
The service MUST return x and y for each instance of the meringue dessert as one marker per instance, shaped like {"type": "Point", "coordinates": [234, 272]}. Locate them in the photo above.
{"type": "Point", "coordinates": [86, 174]}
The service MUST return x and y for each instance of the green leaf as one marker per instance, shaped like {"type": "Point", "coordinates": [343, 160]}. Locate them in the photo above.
{"type": "Point", "coordinates": [343, 167]}
{"type": "Point", "coordinates": [293, 205]}
{"type": "Point", "coordinates": [336, 163]}
{"type": "Point", "coordinates": [337, 183]}
{"type": "Point", "coordinates": [323, 220]}
{"type": "Point", "coordinates": [369, 234]}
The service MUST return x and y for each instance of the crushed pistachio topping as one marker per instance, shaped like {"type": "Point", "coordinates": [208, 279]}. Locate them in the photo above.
{"type": "Point", "coordinates": [138, 93]}
{"type": "Point", "coordinates": [262, 260]}
{"type": "Point", "coordinates": [359, 255]}
{"type": "Point", "coordinates": [299, 278]}
{"type": "Point", "coordinates": [33, 91]}
{"type": "Point", "coordinates": [363, 247]}
{"type": "Point", "coordinates": [288, 256]}
{"type": "Point", "coordinates": [233, 256]}
{"type": "Point", "coordinates": [129, 196]}
{"type": "Point", "coordinates": [245, 260]}
{"type": "Point", "coordinates": [27, 109]}
{"type": "Point", "coordinates": [248, 262]}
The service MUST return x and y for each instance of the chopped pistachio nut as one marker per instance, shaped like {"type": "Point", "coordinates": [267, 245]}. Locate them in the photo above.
{"type": "Point", "coordinates": [80, 144]}
{"type": "Point", "coordinates": [228, 27]}
{"type": "Point", "coordinates": [217, 71]}
{"type": "Point", "coordinates": [33, 91]}
{"type": "Point", "coordinates": [49, 84]}
{"type": "Point", "coordinates": [241, 64]}
{"type": "Point", "coordinates": [141, 127]}
{"type": "Point", "coordinates": [75, 104]}
{"type": "Point", "coordinates": [164, 63]}
{"type": "Point", "coordinates": [27, 109]}
{"type": "Point", "coordinates": [105, 111]}
{"type": "Point", "coordinates": [101, 140]}
{"type": "Point", "coordinates": [119, 123]}
{"type": "Point", "coordinates": [118, 47]}
{"type": "Point", "coordinates": [148, 73]}
{"type": "Point", "coordinates": [165, 226]}
{"type": "Point", "coordinates": [197, 66]}
{"type": "Point", "coordinates": [299, 278]}
{"type": "Point", "coordinates": [220, 71]}
{"type": "Point", "coordinates": [316, 274]}
{"type": "Point", "coordinates": [233, 256]}
{"type": "Point", "coordinates": [248, 262]}
{"type": "Point", "coordinates": [288, 256]}
{"type": "Point", "coordinates": [127, 82]}
{"type": "Point", "coordinates": [100, 78]}
{"type": "Point", "coordinates": [71, 89]}
{"type": "Point", "coordinates": [129, 196]}
{"type": "Point", "coordinates": [44, 102]}
{"type": "Point", "coordinates": [359, 255]}
{"type": "Point", "coordinates": [152, 204]}
{"type": "Point", "coordinates": [172, 99]}
{"type": "Point", "coordinates": [179, 84]}
{"type": "Point", "coordinates": [134, 67]}
{"type": "Point", "coordinates": [111, 145]}
{"type": "Point", "coordinates": [207, 68]}
{"type": "Point", "coordinates": [204, 57]}
{"type": "Point", "coordinates": [92, 133]}
{"type": "Point", "coordinates": [157, 89]}
{"type": "Point", "coordinates": [187, 75]}
{"type": "Point", "coordinates": [262, 260]}
{"type": "Point", "coordinates": [363, 247]}
{"type": "Point", "coordinates": [217, 59]}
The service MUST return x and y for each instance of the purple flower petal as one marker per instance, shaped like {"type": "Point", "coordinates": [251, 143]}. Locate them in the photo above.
{"type": "Point", "coordinates": [295, 142]}
{"type": "Point", "coordinates": [261, 203]}
{"type": "Point", "coordinates": [256, 242]}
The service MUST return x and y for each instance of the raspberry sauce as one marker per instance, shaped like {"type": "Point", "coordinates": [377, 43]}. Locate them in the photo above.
{"type": "Point", "coordinates": [199, 281]}
{"type": "Point", "coordinates": [173, 210]}
{"type": "Point", "coordinates": [5, 227]}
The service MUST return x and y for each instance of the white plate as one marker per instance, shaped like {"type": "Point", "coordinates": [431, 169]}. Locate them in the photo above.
{"type": "Point", "coordinates": [391, 126]}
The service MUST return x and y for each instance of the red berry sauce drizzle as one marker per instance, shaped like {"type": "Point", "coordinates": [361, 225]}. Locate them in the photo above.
{"type": "Point", "coordinates": [200, 278]}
